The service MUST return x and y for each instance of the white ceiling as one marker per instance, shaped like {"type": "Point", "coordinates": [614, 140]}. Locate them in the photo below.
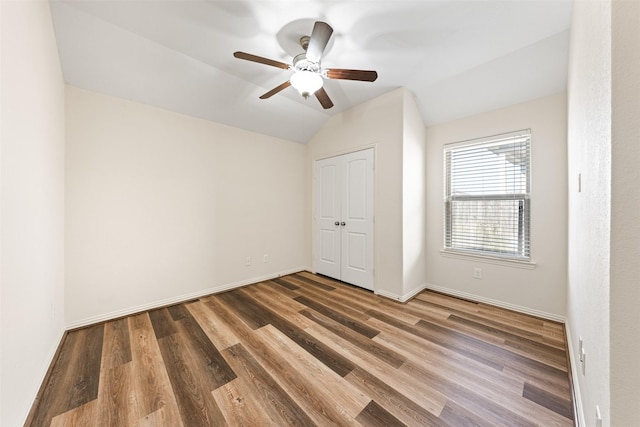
{"type": "Point", "coordinates": [457, 57]}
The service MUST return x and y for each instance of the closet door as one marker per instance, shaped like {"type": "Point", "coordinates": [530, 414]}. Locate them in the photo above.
{"type": "Point", "coordinates": [344, 218]}
{"type": "Point", "coordinates": [328, 217]}
{"type": "Point", "coordinates": [357, 219]}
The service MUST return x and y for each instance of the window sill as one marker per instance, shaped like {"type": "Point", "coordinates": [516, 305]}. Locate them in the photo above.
{"type": "Point", "coordinates": [527, 265]}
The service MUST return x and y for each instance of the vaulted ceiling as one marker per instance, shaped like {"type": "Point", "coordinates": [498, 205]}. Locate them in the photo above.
{"type": "Point", "coordinates": [457, 57]}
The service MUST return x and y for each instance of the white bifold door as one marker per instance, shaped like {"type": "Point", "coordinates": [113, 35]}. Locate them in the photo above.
{"type": "Point", "coordinates": [343, 247]}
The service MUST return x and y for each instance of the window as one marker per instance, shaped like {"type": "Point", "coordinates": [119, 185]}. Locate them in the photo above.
{"type": "Point", "coordinates": [486, 205]}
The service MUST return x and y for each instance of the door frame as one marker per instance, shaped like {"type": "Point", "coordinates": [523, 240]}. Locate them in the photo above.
{"type": "Point", "coordinates": [314, 237]}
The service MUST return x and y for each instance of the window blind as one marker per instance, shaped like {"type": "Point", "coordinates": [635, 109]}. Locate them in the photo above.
{"type": "Point", "coordinates": [487, 186]}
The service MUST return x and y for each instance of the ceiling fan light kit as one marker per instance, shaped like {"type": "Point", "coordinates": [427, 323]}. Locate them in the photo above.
{"type": "Point", "coordinates": [306, 82]}
{"type": "Point", "coordinates": [308, 73]}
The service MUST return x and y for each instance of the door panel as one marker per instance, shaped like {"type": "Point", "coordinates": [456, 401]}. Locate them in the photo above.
{"type": "Point", "coordinates": [344, 195]}
{"type": "Point", "coordinates": [356, 197]}
{"type": "Point", "coordinates": [357, 247]}
{"type": "Point", "coordinates": [357, 214]}
{"type": "Point", "coordinates": [328, 175]}
{"type": "Point", "coordinates": [327, 247]}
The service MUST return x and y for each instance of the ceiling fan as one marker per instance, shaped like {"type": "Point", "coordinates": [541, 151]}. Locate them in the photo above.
{"type": "Point", "coordinates": [308, 73]}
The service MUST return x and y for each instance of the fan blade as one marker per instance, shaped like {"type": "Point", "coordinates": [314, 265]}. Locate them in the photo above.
{"type": "Point", "coordinates": [319, 39]}
{"type": "Point", "coordinates": [276, 90]}
{"type": "Point", "coordinates": [361, 75]}
{"type": "Point", "coordinates": [260, 60]}
{"type": "Point", "coordinates": [324, 99]}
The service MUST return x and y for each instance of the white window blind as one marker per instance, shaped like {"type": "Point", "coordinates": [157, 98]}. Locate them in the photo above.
{"type": "Point", "coordinates": [487, 185]}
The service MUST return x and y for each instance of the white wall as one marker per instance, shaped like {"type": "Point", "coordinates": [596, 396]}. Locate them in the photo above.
{"type": "Point", "coordinates": [604, 235]}
{"type": "Point", "coordinates": [414, 182]}
{"type": "Point", "coordinates": [541, 290]}
{"type": "Point", "coordinates": [589, 148]}
{"type": "Point", "coordinates": [161, 206]}
{"type": "Point", "coordinates": [625, 208]}
{"type": "Point", "coordinates": [32, 204]}
{"type": "Point", "coordinates": [378, 123]}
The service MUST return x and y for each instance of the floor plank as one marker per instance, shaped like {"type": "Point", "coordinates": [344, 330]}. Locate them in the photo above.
{"type": "Point", "coordinates": [356, 326]}
{"type": "Point", "coordinates": [425, 396]}
{"type": "Point", "coordinates": [370, 346]}
{"type": "Point", "coordinates": [323, 353]}
{"type": "Point", "coordinates": [335, 399]}
{"type": "Point", "coordinates": [375, 415]}
{"type": "Point", "coordinates": [83, 415]}
{"type": "Point", "coordinates": [461, 344]}
{"type": "Point", "coordinates": [282, 409]}
{"type": "Point", "coordinates": [544, 398]}
{"type": "Point", "coordinates": [219, 334]}
{"type": "Point", "coordinates": [114, 394]}
{"type": "Point", "coordinates": [211, 367]}
{"type": "Point", "coordinates": [163, 324]}
{"type": "Point", "coordinates": [304, 350]}
{"type": "Point", "coordinates": [313, 281]}
{"type": "Point", "coordinates": [238, 404]}
{"type": "Point", "coordinates": [153, 397]}
{"type": "Point", "coordinates": [193, 399]}
{"type": "Point", "coordinates": [77, 373]}
{"type": "Point", "coordinates": [394, 402]}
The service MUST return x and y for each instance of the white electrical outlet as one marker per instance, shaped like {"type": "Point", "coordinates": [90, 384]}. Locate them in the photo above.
{"type": "Point", "coordinates": [266, 258]}
{"type": "Point", "coordinates": [248, 261]}
{"type": "Point", "coordinates": [477, 273]}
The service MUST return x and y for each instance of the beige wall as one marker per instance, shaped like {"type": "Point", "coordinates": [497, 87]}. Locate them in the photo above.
{"type": "Point", "coordinates": [32, 204]}
{"type": "Point", "coordinates": [604, 235]}
{"type": "Point", "coordinates": [161, 207]}
{"type": "Point", "coordinates": [392, 124]}
{"type": "Point", "coordinates": [625, 205]}
{"type": "Point", "coordinates": [541, 290]}
{"type": "Point", "coordinates": [589, 147]}
{"type": "Point", "coordinates": [376, 123]}
{"type": "Point", "coordinates": [414, 183]}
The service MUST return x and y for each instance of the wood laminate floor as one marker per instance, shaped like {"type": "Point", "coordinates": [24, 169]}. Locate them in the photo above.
{"type": "Point", "coordinates": [306, 350]}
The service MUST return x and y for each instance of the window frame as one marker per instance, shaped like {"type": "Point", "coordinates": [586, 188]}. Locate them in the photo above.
{"type": "Point", "coordinates": [522, 255]}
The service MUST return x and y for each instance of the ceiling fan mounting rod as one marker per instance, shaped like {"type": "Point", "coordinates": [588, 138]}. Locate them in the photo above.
{"type": "Point", "coordinates": [304, 42]}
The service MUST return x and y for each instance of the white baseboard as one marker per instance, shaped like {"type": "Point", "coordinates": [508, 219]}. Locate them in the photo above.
{"type": "Point", "coordinates": [402, 298]}
{"type": "Point", "coordinates": [497, 303]}
{"type": "Point", "coordinates": [575, 371]}
{"type": "Point", "coordinates": [176, 300]}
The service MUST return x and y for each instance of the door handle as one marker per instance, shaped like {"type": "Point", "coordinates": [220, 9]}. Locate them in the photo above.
{"type": "Point", "coordinates": [343, 223]}
{"type": "Point", "coordinates": [336, 223]}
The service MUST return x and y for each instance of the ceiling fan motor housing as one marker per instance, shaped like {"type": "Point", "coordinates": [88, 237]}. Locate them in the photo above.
{"type": "Point", "coordinates": [301, 63]}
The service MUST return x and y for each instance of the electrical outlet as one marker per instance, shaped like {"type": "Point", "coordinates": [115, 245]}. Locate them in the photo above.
{"type": "Point", "coordinates": [266, 258]}
{"type": "Point", "coordinates": [477, 273]}
{"type": "Point", "coordinates": [248, 261]}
